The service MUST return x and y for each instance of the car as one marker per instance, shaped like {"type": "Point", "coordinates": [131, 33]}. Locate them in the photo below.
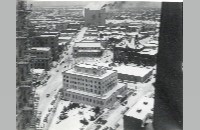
{"type": "Point", "coordinates": [57, 70]}
{"type": "Point", "coordinates": [47, 95]}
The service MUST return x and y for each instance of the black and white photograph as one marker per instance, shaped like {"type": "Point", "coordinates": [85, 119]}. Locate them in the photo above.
{"type": "Point", "coordinates": [99, 65]}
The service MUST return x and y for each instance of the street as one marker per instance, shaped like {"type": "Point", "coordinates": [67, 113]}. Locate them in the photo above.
{"type": "Point", "coordinates": [55, 82]}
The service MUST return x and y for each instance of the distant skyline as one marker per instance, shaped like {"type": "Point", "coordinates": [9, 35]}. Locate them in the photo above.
{"type": "Point", "coordinates": [90, 4]}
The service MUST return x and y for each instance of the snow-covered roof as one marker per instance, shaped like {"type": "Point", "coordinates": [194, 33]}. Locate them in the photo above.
{"type": "Point", "coordinates": [89, 50]}
{"type": "Point", "coordinates": [145, 106]}
{"type": "Point", "coordinates": [64, 38]}
{"type": "Point", "coordinates": [132, 70]}
{"type": "Point", "coordinates": [85, 44]}
{"type": "Point", "coordinates": [73, 72]}
{"type": "Point", "coordinates": [153, 42]}
{"type": "Point", "coordinates": [148, 52]}
{"type": "Point", "coordinates": [62, 43]}
{"type": "Point", "coordinates": [40, 48]}
{"type": "Point", "coordinates": [38, 71]}
{"type": "Point", "coordinates": [48, 35]}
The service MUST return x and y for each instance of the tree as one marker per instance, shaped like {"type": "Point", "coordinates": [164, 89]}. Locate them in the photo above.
{"type": "Point", "coordinates": [92, 118]}
{"type": "Point", "coordinates": [84, 121]}
{"type": "Point", "coordinates": [97, 110]}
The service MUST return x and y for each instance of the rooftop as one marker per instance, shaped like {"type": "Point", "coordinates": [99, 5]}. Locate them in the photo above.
{"type": "Point", "coordinates": [148, 52]}
{"type": "Point", "coordinates": [48, 35]}
{"type": "Point", "coordinates": [132, 70]}
{"type": "Point", "coordinates": [87, 44]}
{"type": "Point", "coordinates": [94, 76]}
{"type": "Point", "coordinates": [89, 50]}
{"type": "Point", "coordinates": [142, 108]}
{"type": "Point", "coordinates": [40, 48]}
{"type": "Point", "coordinates": [38, 71]}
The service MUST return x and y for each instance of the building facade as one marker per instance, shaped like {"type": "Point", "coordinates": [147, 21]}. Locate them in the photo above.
{"type": "Point", "coordinates": [95, 17]}
{"type": "Point", "coordinates": [47, 41]}
{"type": "Point", "coordinates": [41, 57]}
{"type": "Point", "coordinates": [133, 73]}
{"type": "Point", "coordinates": [87, 49]}
{"type": "Point", "coordinates": [93, 85]}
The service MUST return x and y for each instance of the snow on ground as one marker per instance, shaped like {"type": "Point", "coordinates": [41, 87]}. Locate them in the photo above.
{"type": "Point", "coordinates": [73, 121]}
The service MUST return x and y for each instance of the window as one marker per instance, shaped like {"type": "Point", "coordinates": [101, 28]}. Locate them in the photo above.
{"type": "Point", "coordinates": [91, 90]}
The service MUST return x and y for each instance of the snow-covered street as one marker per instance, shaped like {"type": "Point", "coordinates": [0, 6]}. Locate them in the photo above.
{"type": "Point", "coordinates": [54, 84]}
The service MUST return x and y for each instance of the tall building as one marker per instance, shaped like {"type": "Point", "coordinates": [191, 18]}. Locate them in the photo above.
{"type": "Point", "coordinates": [47, 41]}
{"type": "Point", "coordinates": [93, 85]}
{"type": "Point", "coordinates": [40, 57]}
{"type": "Point", "coordinates": [95, 17]}
{"type": "Point", "coordinates": [168, 112]}
{"type": "Point", "coordinates": [24, 88]}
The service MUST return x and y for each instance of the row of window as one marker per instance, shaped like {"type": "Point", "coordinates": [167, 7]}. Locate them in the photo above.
{"type": "Point", "coordinates": [79, 83]}
{"type": "Point", "coordinates": [81, 79]}
{"type": "Point", "coordinates": [85, 99]}
{"type": "Point", "coordinates": [86, 89]}
{"type": "Point", "coordinates": [86, 71]}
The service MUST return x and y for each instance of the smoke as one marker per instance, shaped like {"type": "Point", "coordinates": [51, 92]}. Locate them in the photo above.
{"type": "Point", "coordinates": [96, 5]}
{"type": "Point", "coordinates": [117, 5]}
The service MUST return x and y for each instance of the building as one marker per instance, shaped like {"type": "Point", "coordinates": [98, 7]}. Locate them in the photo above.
{"type": "Point", "coordinates": [41, 57]}
{"type": "Point", "coordinates": [75, 25]}
{"type": "Point", "coordinates": [21, 44]}
{"type": "Point", "coordinates": [38, 74]}
{"type": "Point", "coordinates": [168, 112]}
{"type": "Point", "coordinates": [93, 85]}
{"type": "Point", "coordinates": [147, 57]}
{"type": "Point", "coordinates": [140, 115]}
{"type": "Point", "coordinates": [95, 17]}
{"type": "Point", "coordinates": [47, 41]}
{"type": "Point", "coordinates": [87, 49]}
{"type": "Point", "coordinates": [133, 73]}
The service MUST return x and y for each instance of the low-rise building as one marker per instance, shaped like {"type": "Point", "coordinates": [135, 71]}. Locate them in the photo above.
{"type": "Point", "coordinates": [93, 85]}
{"type": "Point", "coordinates": [47, 41]}
{"type": "Point", "coordinates": [133, 73]}
{"type": "Point", "coordinates": [140, 115]}
{"type": "Point", "coordinates": [88, 49]}
{"type": "Point", "coordinates": [40, 57]}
